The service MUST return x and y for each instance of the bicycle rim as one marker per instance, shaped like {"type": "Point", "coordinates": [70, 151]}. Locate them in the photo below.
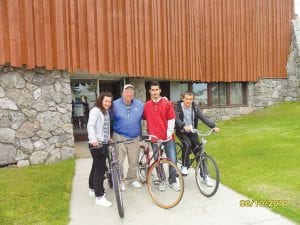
{"type": "Point", "coordinates": [159, 187]}
{"type": "Point", "coordinates": [207, 175]}
{"type": "Point", "coordinates": [118, 192]}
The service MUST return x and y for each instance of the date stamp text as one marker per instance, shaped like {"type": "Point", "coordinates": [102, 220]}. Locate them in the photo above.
{"type": "Point", "coordinates": [263, 203]}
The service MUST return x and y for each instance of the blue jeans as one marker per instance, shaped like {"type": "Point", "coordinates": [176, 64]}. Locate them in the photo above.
{"type": "Point", "coordinates": [171, 155]}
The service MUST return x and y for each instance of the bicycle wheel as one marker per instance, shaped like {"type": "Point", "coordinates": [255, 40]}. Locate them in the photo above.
{"type": "Point", "coordinates": [118, 193]}
{"type": "Point", "coordinates": [207, 175]}
{"type": "Point", "coordinates": [142, 168]}
{"type": "Point", "coordinates": [161, 191]}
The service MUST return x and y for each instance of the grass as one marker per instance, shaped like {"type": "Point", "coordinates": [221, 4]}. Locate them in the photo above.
{"type": "Point", "coordinates": [37, 194]}
{"type": "Point", "coordinates": [259, 156]}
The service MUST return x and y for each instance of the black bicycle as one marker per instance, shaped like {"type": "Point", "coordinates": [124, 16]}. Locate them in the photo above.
{"type": "Point", "coordinates": [113, 174]}
{"type": "Point", "coordinates": [206, 170]}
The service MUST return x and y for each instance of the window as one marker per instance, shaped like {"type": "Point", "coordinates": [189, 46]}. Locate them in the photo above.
{"type": "Point", "coordinates": [200, 90]}
{"type": "Point", "coordinates": [236, 94]}
{"type": "Point", "coordinates": [220, 94]}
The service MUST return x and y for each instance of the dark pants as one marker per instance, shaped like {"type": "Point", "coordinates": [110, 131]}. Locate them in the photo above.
{"type": "Point", "coordinates": [190, 142]}
{"type": "Point", "coordinates": [96, 177]}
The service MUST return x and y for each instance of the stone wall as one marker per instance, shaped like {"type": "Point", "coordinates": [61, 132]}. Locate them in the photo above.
{"type": "Point", "coordinates": [35, 116]}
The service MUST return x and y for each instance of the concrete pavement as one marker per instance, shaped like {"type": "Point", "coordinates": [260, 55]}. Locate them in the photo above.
{"type": "Point", "coordinates": [223, 208]}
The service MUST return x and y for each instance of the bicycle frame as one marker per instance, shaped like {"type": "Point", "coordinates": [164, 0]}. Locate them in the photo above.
{"type": "Point", "coordinates": [202, 142]}
{"type": "Point", "coordinates": [151, 160]}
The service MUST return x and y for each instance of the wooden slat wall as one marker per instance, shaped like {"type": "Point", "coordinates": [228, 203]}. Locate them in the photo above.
{"type": "Point", "coordinates": [199, 40]}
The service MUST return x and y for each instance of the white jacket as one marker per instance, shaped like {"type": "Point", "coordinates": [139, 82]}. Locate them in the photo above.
{"type": "Point", "coordinates": [95, 125]}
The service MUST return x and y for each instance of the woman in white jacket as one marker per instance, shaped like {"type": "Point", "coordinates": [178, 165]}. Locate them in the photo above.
{"type": "Point", "coordinates": [99, 132]}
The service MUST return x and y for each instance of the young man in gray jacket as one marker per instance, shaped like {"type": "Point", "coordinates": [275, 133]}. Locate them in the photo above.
{"type": "Point", "coordinates": [187, 117]}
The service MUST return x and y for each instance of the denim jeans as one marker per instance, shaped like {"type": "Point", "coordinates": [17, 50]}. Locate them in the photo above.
{"type": "Point", "coordinates": [171, 155]}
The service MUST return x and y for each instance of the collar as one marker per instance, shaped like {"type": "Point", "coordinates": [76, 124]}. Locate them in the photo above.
{"type": "Point", "coordinates": [183, 106]}
{"type": "Point", "coordinates": [123, 102]}
{"type": "Point", "coordinates": [156, 100]}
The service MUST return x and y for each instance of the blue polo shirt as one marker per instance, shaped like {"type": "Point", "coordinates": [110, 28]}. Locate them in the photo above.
{"type": "Point", "coordinates": [127, 118]}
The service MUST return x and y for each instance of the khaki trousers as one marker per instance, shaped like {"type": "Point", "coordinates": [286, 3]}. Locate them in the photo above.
{"type": "Point", "coordinates": [132, 150]}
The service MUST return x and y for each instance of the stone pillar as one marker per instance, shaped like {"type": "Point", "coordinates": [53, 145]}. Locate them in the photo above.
{"type": "Point", "coordinates": [35, 116]}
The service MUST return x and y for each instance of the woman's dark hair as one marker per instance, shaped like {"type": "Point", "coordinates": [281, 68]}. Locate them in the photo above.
{"type": "Point", "coordinates": [99, 100]}
{"type": "Point", "coordinates": [154, 83]}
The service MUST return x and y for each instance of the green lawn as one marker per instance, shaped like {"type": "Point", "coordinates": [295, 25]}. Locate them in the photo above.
{"type": "Point", "coordinates": [36, 194]}
{"type": "Point", "coordinates": [259, 155]}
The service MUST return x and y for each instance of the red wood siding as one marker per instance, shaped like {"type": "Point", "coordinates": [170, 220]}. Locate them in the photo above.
{"type": "Point", "coordinates": [199, 40]}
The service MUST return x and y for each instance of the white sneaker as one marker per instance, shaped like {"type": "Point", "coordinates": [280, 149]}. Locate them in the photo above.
{"type": "Point", "coordinates": [184, 170]}
{"type": "Point", "coordinates": [122, 185]}
{"type": "Point", "coordinates": [102, 201]}
{"type": "Point", "coordinates": [174, 187]}
{"type": "Point", "coordinates": [136, 184]}
{"type": "Point", "coordinates": [207, 181]}
{"type": "Point", "coordinates": [162, 187]}
{"type": "Point", "coordinates": [92, 193]}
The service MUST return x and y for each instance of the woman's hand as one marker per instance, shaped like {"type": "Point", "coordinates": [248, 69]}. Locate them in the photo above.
{"type": "Point", "coordinates": [95, 144]}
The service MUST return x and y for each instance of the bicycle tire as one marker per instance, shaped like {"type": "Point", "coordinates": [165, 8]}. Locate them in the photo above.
{"type": "Point", "coordinates": [168, 198]}
{"type": "Point", "coordinates": [207, 169]}
{"type": "Point", "coordinates": [118, 193]}
{"type": "Point", "coordinates": [142, 168]}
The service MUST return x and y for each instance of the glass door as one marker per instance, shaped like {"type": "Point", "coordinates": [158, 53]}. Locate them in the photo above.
{"type": "Point", "coordinates": [84, 94]}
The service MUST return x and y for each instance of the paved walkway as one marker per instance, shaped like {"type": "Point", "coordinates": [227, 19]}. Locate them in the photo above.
{"type": "Point", "coordinates": [223, 208]}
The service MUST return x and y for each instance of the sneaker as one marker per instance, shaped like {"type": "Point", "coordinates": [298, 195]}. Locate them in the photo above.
{"type": "Point", "coordinates": [207, 181]}
{"type": "Point", "coordinates": [184, 170]}
{"type": "Point", "coordinates": [123, 187]}
{"type": "Point", "coordinates": [92, 193]}
{"type": "Point", "coordinates": [102, 201]}
{"type": "Point", "coordinates": [162, 187]}
{"type": "Point", "coordinates": [136, 184]}
{"type": "Point", "coordinates": [174, 187]}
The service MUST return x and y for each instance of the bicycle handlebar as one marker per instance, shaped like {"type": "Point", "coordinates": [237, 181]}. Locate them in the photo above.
{"type": "Point", "coordinates": [100, 144]}
{"type": "Point", "coordinates": [150, 137]}
{"type": "Point", "coordinates": [206, 134]}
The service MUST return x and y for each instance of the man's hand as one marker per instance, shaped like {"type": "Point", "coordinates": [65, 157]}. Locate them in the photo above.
{"type": "Point", "coordinates": [188, 128]}
{"type": "Point", "coordinates": [216, 129]}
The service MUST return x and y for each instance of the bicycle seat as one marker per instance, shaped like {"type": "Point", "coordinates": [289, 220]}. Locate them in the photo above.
{"type": "Point", "coordinates": [146, 138]}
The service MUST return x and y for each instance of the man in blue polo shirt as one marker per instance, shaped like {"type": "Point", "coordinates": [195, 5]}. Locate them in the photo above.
{"type": "Point", "coordinates": [127, 116]}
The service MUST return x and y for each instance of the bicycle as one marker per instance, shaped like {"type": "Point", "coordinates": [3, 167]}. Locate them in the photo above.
{"type": "Point", "coordinates": [113, 174]}
{"type": "Point", "coordinates": [206, 170]}
{"type": "Point", "coordinates": [157, 173]}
